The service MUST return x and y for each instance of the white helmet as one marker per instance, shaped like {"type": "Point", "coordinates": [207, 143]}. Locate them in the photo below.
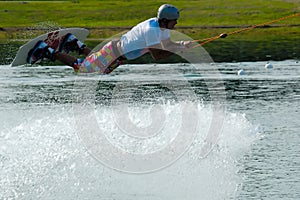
{"type": "Point", "coordinates": [167, 11]}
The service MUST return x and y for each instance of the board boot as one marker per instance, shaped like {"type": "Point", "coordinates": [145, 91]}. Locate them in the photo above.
{"type": "Point", "coordinates": [39, 51]}
{"type": "Point", "coordinates": [70, 43]}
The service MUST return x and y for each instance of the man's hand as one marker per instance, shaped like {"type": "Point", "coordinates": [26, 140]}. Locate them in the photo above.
{"type": "Point", "coordinates": [186, 44]}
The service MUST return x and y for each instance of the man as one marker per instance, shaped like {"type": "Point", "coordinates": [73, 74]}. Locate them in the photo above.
{"type": "Point", "coordinates": [151, 36]}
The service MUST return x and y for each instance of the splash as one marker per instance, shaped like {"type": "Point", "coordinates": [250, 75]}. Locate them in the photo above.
{"type": "Point", "coordinates": [41, 157]}
{"type": "Point", "coordinates": [37, 29]}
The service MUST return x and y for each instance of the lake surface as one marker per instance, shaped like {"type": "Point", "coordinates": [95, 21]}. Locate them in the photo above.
{"type": "Point", "coordinates": [163, 131]}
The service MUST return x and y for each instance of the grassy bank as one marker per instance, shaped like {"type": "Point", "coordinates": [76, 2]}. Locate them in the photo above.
{"type": "Point", "coordinates": [199, 19]}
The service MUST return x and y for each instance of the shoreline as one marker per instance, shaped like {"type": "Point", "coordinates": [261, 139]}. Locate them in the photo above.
{"type": "Point", "coordinates": [271, 42]}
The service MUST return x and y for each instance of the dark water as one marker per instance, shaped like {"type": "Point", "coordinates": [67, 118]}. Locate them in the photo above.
{"type": "Point", "coordinates": [43, 154]}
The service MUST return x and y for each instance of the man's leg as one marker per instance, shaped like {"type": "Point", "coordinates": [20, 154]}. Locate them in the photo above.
{"type": "Point", "coordinates": [65, 58]}
{"type": "Point", "coordinates": [86, 51]}
{"type": "Point", "coordinates": [42, 50]}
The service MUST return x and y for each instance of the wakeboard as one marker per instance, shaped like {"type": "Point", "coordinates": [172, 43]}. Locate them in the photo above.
{"type": "Point", "coordinates": [52, 38]}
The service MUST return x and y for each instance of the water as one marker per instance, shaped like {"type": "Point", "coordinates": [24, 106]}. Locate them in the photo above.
{"type": "Point", "coordinates": [48, 114]}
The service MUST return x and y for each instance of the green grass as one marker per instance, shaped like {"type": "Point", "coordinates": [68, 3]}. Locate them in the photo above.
{"type": "Point", "coordinates": [92, 13]}
{"type": "Point", "coordinates": [105, 14]}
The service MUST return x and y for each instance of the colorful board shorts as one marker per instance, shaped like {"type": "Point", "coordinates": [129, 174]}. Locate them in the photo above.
{"type": "Point", "coordinates": [103, 61]}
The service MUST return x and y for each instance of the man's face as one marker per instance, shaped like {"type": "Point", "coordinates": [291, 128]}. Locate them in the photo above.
{"type": "Point", "coordinates": [171, 24]}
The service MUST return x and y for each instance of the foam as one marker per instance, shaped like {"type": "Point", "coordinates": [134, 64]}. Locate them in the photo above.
{"type": "Point", "coordinates": [42, 157]}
